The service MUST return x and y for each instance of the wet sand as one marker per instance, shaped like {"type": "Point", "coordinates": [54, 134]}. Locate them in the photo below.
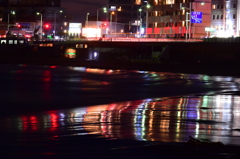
{"type": "Point", "coordinates": [201, 67]}
{"type": "Point", "coordinates": [25, 145]}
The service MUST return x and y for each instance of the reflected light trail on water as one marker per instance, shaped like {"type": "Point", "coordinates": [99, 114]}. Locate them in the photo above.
{"type": "Point", "coordinates": [142, 105]}
{"type": "Point", "coordinates": [214, 117]}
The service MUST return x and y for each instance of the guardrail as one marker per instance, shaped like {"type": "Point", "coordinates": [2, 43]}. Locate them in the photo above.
{"type": "Point", "coordinates": [144, 39]}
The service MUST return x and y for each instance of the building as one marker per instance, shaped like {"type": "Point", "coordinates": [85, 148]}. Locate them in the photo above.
{"type": "Point", "coordinates": [172, 18]}
{"type": "Point", "coordinates": [52, 17]}
{"type": "Point", "coordinates": [164, 18]}
{"type": "Point", "coordinates": [99, 29]}
{"type": "Point", "coordinates": [127, 13]}
{"type": "Point", "coordinates": [225, 21]}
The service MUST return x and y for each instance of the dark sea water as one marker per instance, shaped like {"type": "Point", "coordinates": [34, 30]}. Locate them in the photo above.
{"type": "Point", "coordinates": [47, 103]}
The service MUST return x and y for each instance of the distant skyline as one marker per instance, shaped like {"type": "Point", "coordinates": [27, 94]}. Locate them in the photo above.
{"type": "Point", "coordinates": [78, 9]}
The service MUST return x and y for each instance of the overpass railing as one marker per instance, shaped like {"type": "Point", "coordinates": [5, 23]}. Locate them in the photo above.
{"type": "Point", "coordinates": [127, 39]}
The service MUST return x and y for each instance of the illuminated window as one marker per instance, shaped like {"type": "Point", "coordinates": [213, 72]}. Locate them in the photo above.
{"type": "Point", "coordinates": [113, 8]}
{"type": "Point", "coordinates": [214, 6]}
{"type": "Point", "coordinates": [85, 46]}
{"type": "Point", "coordinates": [227, 16]}
{"type": "Point", "coordinates": [138, 2]}
{"type": "Point", "coordinates": [119, 8]}
{"type": "Point", "coordinates": [169, 1]}
{"type": "Point", "coordinates": [227, 6]}
{"type": "Point", "coordinates": [10, 41]}
{"type": "Point", "coordinates": [183, 23]}
{"type": "Point", "coordinates": [183, 12]}
{"type": "Point", "coordinates": [79, 45]}
{"type": "Point", "coordinates": [21, 41]}
{"type": "Point", "coordinates": [3, 41]}
{"type": "Point", "coordinates": [46, 45]}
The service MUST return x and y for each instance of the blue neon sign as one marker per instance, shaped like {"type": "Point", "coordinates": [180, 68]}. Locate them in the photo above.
{"type": "Point", "coordinates": [196, 17]}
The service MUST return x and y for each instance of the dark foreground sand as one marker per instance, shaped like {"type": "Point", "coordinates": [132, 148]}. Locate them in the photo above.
{"type": "Point", "coordinates": [92, 146]}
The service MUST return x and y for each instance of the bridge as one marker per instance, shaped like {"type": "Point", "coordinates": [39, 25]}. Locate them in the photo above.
{"type": "Point", "coordinates": [130, 49]}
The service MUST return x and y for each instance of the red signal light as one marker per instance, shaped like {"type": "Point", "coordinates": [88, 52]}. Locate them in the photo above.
{"type": "Point", "coordinates": [47, 26]}
{"type": "Point", "coordinates": [19, 26]}
{"type": "Point", "coordinates": [104, 24]}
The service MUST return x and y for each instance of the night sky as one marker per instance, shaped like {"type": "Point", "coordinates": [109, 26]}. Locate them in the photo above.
{"type": "Point", "coordinates": [79, 8]}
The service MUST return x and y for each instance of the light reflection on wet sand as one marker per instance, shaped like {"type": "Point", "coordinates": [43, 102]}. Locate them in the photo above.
{"type": "Point", "coordinates": [169, 119]}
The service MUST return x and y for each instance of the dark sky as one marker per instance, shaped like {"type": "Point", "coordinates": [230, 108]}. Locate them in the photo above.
{"type": "Point", "coordinates": [78, 9]}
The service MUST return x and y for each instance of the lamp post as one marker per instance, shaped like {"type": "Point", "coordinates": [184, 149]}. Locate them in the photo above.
{"type": "Point", "coordinates": [140, 10]}
{"type": "Point", "coordinates": [41, 25]}
{"type": "Point", "coordinates": [146, 22]}
{"type": "Point", "coordinates": [11, 12]}
{"type": "Point", "coordinates": [104, 9]}
{"type": "Point", "coordinates": [55, 22]}
{"type": "Point", "coordinates": [112, 13]}
{"type": "Point", "coordinates": [116, 25]}
{"type": "Point", "coordinates": [188, 29]}
{"type": "Point", "coordinates": [118, 10]}
{"type": "Point", "coordinates": [87, 20]}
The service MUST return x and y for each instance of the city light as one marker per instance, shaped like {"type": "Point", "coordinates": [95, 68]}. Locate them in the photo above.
{"type": "Point", "coordinates": [47, 26]}
{"type": "Point", "coordinates": [91, 32]}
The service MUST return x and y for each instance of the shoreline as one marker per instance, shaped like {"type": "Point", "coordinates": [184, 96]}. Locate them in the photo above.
{"type": "Point", "coordinates": [214, 68]}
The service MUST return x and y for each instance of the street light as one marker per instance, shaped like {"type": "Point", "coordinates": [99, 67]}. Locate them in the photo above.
{"type": "Point", "coordinates": [140, 10]}
{"type": "Point", "coordinates": [118, 10]}
{"type": "Point", "coordinates": [188, 31]}
{"type": "Point", "coordinates": [11, 12]}
{"type": "Point", "coordinates": [112, 13]}
{"type": "Point", "coordinates": [146, 22]}
{"type": "Point", "coordinates": [41, 25]}
{"type": "Point", "coordinates": [55, 22]}
{"type": "Point", "coordinates": [87, 20]}
{"type": "Point", "coordinates": [104, 9]}
{"type": "Point", "coordinates": [116, 25]}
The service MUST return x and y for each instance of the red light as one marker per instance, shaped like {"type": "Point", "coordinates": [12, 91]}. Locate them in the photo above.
{"type": "Point", "coordinates": [104, 24]}
{"type": "Point", "coordinates": [47, 26]}
{"type": "Point", "coordinates": [28, 36]}
{"type": "Point", "coordinates": [19, 26]}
